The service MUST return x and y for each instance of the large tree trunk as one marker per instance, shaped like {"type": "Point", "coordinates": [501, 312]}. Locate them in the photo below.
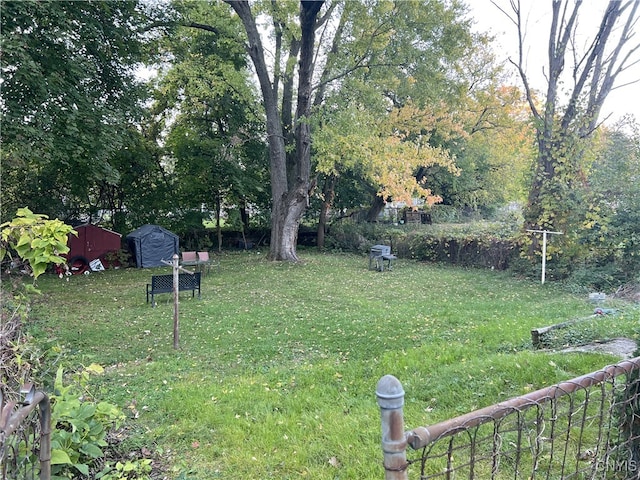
{"type": "Point", "coordinates": [290, 184]}
{"type": "Point", "coordinates": [376, 207]}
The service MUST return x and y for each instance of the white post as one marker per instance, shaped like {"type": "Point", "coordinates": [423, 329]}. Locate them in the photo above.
{"type": "Point", "coordinates": [544, 254]}
{"type": "Point", "coordinates": [544, 248]}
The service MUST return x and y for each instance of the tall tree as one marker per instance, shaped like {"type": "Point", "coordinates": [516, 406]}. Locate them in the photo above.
{"type": "Point", "coordinates": [290, 172]}
{"type": "Point", "coordinates": [496, 155]}
{"type": "Point", "coordinates": [386, 152]}
{"type": "Point", "coordinates": [142, 190]}
{"type": "Point", "coordinates": [68, 88]}
{"type": "Point", "coordinates": [565, 121]}
{"type": "Point", "coordinates": [359, 40]}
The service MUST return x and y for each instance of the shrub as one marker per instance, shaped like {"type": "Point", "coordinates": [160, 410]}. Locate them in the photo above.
{"type": "Point", "coordinates": [348, 236]}
{"type": "Point", "coordinates": [483, 244]}
{"type": "Point", "coordinates": [79, 428]}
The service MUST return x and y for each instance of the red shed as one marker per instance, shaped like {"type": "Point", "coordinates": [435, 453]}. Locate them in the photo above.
{"type": "Point", "coordinates": [92, 243]}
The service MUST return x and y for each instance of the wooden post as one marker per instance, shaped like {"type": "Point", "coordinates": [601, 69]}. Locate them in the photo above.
{"type": "Point", "coordinates": [544, 248]}
{"type": "Point", "coordinates": [394, 442]}
{"type": "Point", "coordinates": [176, 298]}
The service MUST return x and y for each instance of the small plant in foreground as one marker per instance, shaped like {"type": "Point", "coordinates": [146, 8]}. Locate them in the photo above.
{"type": "Point", "coordinates": [129, 470]}
{"type": "Point", "coordinates": [79, 428]}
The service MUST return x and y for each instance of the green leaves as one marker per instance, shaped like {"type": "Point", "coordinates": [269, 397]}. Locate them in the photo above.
{"type": "Point", "coordinates": [79, 427]}
{"type": "Point", "coordinates": [68, 87]}
{"type": "Point", "coordinates": [215, 130]}
{"type": "Point", "coordinates": [35, 239]}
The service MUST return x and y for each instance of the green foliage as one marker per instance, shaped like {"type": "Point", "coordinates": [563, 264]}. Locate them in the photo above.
{"type": "Point", "coordinates": [215, 136]}
{"type": "Point", "coordinates": [129, 470]}
{"type": "Point", "coordinates": [486, 244]}
{"type": "Point", "coordinates": [594, 328]}
{"type": "Point", "coordinates": [80, 426]}
{"type": "Point", "coordinates": [464, 246]}
{"type": "Point", "coordinates": [386, 127]}
{"type": "Point", "coordinates": [35, 239]}
{"type": "Point", "coordinates": [22, 360]}
{"type": "Point", "coordinates": [565, 131]}
{"type": "Point", "coordinates": [141, 189]}
{"type": "Point", "coordinates": [603, 248]}
{"type": "Point", "coordinates": [348, 236]}
{"type": "Point", "coordinates": [68, 90]}
{"type": "Point", "coordinates": [118, 258]}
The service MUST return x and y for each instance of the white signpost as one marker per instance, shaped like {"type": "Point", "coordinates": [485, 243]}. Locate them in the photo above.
{"type": "Point", "coordinates": [544, 247]}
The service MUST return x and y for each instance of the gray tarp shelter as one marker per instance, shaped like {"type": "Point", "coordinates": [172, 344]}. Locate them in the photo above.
{"type": "Point", "coordinates": [150, 244]}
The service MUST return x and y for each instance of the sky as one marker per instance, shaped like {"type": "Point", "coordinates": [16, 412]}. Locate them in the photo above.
{"type": "Point", "coordinates": [538, 14]}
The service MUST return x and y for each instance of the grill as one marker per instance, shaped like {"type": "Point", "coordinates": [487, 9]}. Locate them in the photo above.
{"type": "Point", "coordinates": [378, 255]}
{"type": "Point", "coordinates": [379, 250]}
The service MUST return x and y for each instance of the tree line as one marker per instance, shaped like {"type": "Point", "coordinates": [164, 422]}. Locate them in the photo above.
{"type": "Point", "coordinates": [283, 113]}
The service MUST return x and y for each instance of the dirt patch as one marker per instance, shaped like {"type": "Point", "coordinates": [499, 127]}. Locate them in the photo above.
{"type": "Point", "coordinates": [621, 347]}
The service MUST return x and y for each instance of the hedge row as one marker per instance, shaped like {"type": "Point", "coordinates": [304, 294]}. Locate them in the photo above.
{"type": "Point", "coordinates": [487, 244]}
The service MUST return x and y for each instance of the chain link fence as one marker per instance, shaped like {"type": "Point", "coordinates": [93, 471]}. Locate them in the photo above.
{"type": "Point", "coordinates": [585, 428]}
{"type": "Point", "coordinates": [25, 436]}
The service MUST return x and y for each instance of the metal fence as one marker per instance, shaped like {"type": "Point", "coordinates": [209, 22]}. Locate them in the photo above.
{"type": "Point", "coordinates": [25, 436]}
{"type": "Point", "coordinates": [585, 428]}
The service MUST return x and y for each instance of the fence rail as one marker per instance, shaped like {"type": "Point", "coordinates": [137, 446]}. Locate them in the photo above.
{"type": "Point", "coordinates": [588, 427]}
{"type": "Point", "coordinates": [25, 436]}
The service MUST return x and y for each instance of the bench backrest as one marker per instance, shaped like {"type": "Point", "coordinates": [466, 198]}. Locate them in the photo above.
{"type": "Point", "coordinates": [189, 280]}
{"type": "Point", "coordinates": [185, 280]}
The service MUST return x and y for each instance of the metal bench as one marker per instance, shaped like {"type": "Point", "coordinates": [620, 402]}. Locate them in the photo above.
{"type": "Point", "coordinates": [380, 254]}
{"type": "Point", "coordinates": [164, 284]}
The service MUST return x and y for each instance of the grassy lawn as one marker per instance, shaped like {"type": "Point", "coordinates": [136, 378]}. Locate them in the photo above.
{"type": "Point", "coordinates": [278, 363]}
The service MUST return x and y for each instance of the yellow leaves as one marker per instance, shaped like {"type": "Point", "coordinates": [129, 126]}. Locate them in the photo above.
{"type": "Point", "coordinates": [392, 164]}
{"type": "Point", "coordinates": [387, 150]}
{"type": "Point", "coordinates": [95, 368]}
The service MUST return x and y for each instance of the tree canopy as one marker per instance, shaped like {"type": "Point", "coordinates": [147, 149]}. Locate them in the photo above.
{"type": "Point", "coordinates": [297, 110]}
{"type": "Point", "coordinates": [68, 89]}
{"type": "Point", "coordinates": [573, 99]}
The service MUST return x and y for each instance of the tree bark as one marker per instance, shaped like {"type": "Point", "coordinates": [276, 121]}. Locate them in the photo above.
{"type": "Point", "coordinates": [374, 210]}
{"type": "Point", "coordinates": [290, 184]}
{"type": "Point", "coordinates": [218, 223]}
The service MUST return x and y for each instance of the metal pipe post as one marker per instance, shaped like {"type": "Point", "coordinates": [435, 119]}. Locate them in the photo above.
{"type": "Point", "coordinates": [394, 441]}
{"type": "Point", "coordinates": [45, 437]}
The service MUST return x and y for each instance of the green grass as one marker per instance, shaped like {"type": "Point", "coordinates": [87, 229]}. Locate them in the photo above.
{"type": "Point", "coordinates": [278, 363]}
